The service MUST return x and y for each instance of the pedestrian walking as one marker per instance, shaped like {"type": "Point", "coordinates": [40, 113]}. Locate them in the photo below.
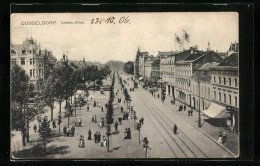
{"type": "Point", "coordinates": [87, 107]}
{"type": "Point", "coordinates": [102, 109]}
{"type": "Point", "coordinates": [73, 131]}
{"type": "Point", "coordinates": [116, 126]}
{"type": "Point", "coordinates": [89, 134]}
{"type": "Point", "coordinates": [175, 129]}
{"type": "Point", "coordinates": [35, 128]}
{"type": "Point", "coordinates": [184, 107]}
{"type": "Point", "coordinates": [92, 119]}
{"type": "Point", "coordinates": [64, 130]}
{"type": "Point", "coordinates": [95, 137]}
{"type": "Point", "coordinates": [224, 138]}
{"type": "Point", "coordinates": [80, 122]}
{"type": "Point", "coordinates": [68, 131]}
{"type": "Point", "coordinates": [120, 120]}
{"type": "Point", "coordinates": [142, 120]}
{"type": "Point", "coordinates": [81, 142]}
{"type": "Point", "coordinates": [122, 109]}
{"type": "Point", "coordinates": [95, 119]}
{"type": "Point", "coordinates": [220, 137]}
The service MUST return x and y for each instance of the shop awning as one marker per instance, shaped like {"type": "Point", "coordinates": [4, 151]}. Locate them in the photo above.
{"type": "Point", "coordinates": [141, 78]}
{"type": "Point", "coordinates": [215, 111]}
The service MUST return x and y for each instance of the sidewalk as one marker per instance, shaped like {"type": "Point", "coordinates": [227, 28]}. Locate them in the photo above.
{"type": "Point", "coordinates": [67, 147]}
{"type": "Point", "coordinates": [210, 126]}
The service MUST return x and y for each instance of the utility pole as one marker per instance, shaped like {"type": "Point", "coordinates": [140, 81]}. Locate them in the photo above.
{"type": "Point", "coordinates": [199, 118]}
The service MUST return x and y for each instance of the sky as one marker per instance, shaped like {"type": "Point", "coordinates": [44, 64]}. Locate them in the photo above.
{"type": "Point", "coordinates": [102, 42]}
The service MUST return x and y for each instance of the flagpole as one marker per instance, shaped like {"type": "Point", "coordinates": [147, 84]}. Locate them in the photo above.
{"type": "Point", "coordinates": [175, 43]}
{"type": "Point", "coordinates": [183, 42]}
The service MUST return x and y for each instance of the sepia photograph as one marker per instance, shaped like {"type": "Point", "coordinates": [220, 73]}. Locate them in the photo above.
{"type": "Point", "coordinates": [124, 85]}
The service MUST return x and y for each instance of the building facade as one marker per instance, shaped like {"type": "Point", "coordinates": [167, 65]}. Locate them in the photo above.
{"type": "Point", "coordinates": [155, 73]}
{"type": "Point", "coordinates": [186, 68]}
{"type": "Point", "coordinates": [225, 87]}
{"type": "Point", "coordinates": [148, 69]}
{"type": "Point", "coordinates": [139, 63]}
{"type": "Point", "coordinates": [30, 58]}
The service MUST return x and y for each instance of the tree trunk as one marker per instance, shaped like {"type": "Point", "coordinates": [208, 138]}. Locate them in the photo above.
{"type": "Point", "coordinates": [75, 109]}
{"type": "Point", "coordinates": [71, 99]}
{"type": "Point", "coordinates": [23, 138]}
{"type": "Point", "coordinates": [108, 144]}
{"type": "Point", "coordinates": [28, 128]}
{"type": "Point", "coordinates": [68, 118]}
{"type": "Point", "coordinates": [44, 145]}
{"type": "Point", "coordinates": [51, 113]}
{"type": "Point", "coordinates": [59, 117]}
{"type": "Point", "coordinates": [66, 102]}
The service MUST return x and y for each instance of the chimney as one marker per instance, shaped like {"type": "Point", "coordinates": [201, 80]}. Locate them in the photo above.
{"type": "Point", "coordinates": [191, 50]}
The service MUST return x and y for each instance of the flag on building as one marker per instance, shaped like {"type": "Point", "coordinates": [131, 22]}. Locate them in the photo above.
{"type": "Point", "coordinates": [177, 39]}
{"type": "Point", "coordinates": [186, 36]}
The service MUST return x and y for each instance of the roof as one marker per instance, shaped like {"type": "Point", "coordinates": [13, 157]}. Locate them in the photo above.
{"type": "Point", "coordinates": [181, 56]}
{"type": "Point", "coordinates": [156, 62]}
{"type": "Point", "coordinates": [208, 57]}
{"type": "Point", "coordinates": [208, 66]}
{"type": "Point", "coordinates": [234, 47]}
{"type": "Point", "coordinates": [166, 53]}
{"type": "Point", "coordinates": [18, 48]}
{"type": "Point", "coordinates": [231, 60]}
{"type": "Point", "coordinates": [194, 56]}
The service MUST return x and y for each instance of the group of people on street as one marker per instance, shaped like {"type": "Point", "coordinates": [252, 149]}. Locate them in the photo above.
{"type": "Point", "coordinates": [97, 137]}
{"type": "Point", "coordinates": [127, 133]}
{"type": "Point", "coordinates": [119, 100]}
{"type": "Point", "coordinates": [78, 122]}
{"type": "Point", "coordinates": [102, 122]}
{"type": "Point", "coordinates": [141, 121]}
{"type": "Point", "coordinates": [222, 137]}
{"type": "Point", "coordinates": [69, 132]}
{"type": "Point", "coordinates": [125, 116]}
{"type": "Point", "coordinates": [94, 119]}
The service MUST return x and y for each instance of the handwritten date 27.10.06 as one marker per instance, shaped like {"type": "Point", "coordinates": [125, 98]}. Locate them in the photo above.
{"type": "Point", "coordinates": [111, 20]}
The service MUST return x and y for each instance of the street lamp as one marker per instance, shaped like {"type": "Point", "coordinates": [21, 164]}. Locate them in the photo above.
{"type": "Point", "coordinates": [198, 79]}
{"type": "Point", "coordinates": [75, 102]}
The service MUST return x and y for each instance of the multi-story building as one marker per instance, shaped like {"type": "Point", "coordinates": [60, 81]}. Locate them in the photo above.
{"type": "Point", "coordinates": [148, 68]}
{"type": "Point", "coordinates": [185, 68]}
{"type": "Point", "coordinates": [225, 87]}
{"type": "Point", "coordinates": [233, 48]}
{"type": "Point", "coordinates": [167, 60]}
{"type": "Point", "coordinates": [139, 64]}
{"type": "Point", "coordinates": [155, 73]}
{"type": "Point", "coordinates": [30, 57]}
{"type": "Point", "coordinates": [201, 88]}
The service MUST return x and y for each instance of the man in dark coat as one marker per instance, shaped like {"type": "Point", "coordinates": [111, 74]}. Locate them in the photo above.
{"type": "Point", "coordinates": [122, 109]}
{"type": "Point", "coordinates": [175, 129]}
{"type": "Point", "coordinates": [64, 130]}
{"type": "Point", "coordinates": [95, 136]}
{"type": "Point", "coordinates": [184, 107]}
{"type": "Point", "coordinates": [89, 134]}
{"type": "Point", "coordinates": [116, 126]}
{"type": "Point", "coordinates": [72, 131]}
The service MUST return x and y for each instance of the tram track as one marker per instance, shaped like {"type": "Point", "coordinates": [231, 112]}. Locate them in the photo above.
{"type": "Point", "coordinates": [169, 123]}
{"type": "Point", "coordinates": [182, 154]}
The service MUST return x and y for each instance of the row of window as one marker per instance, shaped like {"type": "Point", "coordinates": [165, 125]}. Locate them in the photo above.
{"type": "Point", "coordinates": [185, 73]}
{"type": "Point", "coordinates": [32, 61]}
{"type": "Point", "coordinates": [35, 72]}
{"type": "Point", "coordinates": [204, 90]}
{"type": "Point", "coordinates": [224, 81]}
{"type": "Point", "coordinates": [225, 99]}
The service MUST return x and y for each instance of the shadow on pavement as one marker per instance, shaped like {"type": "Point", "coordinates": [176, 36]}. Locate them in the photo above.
{"type": "Point", "coordinates": [37, 152]}
{"type": "Point", "coordinates": [115, 132]}
{"type": "Point", "coordinates": [216, 122]}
